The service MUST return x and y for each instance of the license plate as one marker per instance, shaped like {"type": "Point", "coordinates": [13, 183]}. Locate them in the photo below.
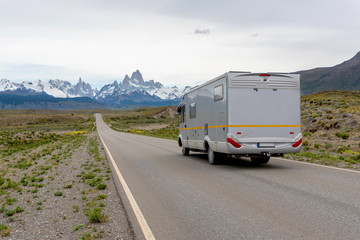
{"type": "Point", "coordinates": [266, 145]}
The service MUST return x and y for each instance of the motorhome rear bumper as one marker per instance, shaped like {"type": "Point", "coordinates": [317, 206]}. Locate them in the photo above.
{"type": "Point", "coordinates": [256, 148]}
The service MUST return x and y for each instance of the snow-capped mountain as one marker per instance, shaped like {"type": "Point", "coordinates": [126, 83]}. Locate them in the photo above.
{"type": "Point", "coordinates": [56, 88]}
{"type": "Point", "coordinates": [137, 84]}
{"type": "Point", "coordinates": [130, 91]}
{"type": "Point", "coordinates": [7, 85]}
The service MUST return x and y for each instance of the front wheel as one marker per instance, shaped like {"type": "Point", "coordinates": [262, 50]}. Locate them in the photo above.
{"type": "Point", "coordinates": [185, 151]}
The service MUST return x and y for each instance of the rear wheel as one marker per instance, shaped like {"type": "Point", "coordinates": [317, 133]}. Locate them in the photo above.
{"type": "Point", "coordinates": [185, 151]}
{"type": "Point", "coordinates": [259, 160]}
{"type": "Point", "coordinates": [213, 157]}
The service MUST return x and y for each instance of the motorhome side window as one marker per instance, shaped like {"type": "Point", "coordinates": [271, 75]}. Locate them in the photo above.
{"type": "Point", "coordinates": [182, 114]}
{"type": "Point", "coordinates": [192, 110]}
{"type": "Point", "coordinates": [218, 93]}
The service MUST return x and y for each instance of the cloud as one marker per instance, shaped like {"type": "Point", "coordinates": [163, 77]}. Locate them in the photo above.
{"type": "Point", "coordinates": [202, 31]}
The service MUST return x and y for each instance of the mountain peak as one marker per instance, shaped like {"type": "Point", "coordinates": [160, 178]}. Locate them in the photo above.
{"type": "Point", "coordinates": [356, 58]}
{"type": "Point", "coordinates": [137, 76]}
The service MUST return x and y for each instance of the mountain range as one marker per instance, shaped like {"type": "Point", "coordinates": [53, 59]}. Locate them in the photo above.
{"type": "Point", "coordinates": [134, 92]}
{"type": "Point", "coordinates": [130, 93]}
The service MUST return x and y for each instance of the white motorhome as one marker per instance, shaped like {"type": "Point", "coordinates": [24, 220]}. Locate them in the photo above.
{"type": "Point", "coordinates": [241, 113]}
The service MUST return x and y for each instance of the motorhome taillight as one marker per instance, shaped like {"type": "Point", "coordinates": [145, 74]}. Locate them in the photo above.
{"type": "Point", "coordinates": [232, 142]}
{"type": "Point", "coordinates": [264, 75]}
{"type": "Point", "coordinates": [295, 145]}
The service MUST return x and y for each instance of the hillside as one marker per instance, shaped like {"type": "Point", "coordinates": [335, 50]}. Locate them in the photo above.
{"type": "Point", "coordinates": [344, 76]}
{"type": "Point", "coordinates": [331, 129]}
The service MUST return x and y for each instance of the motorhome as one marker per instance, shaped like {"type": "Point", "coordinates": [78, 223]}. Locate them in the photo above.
{"type": "Point", "coordinates": [255, 115]}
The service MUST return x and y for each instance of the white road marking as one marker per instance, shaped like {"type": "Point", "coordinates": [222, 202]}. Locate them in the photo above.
{"type": "Point", "coordinates": [139, 216]}
{"type": "Point", "coordinates": [319, 165]}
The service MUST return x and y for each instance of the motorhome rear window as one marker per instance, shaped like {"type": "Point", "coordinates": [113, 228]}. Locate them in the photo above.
{"type": "Point", "coordinates": [192, 110]}
{"type": "Point", "coordinates": [218, 93]}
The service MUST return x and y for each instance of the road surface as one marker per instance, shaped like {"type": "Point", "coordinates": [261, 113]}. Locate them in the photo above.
{"type": "Point", "coordinates": [187, 198]}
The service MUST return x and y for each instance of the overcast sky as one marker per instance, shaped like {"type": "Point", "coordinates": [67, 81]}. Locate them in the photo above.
{"type": "Point", "coordinates": [176, 42]}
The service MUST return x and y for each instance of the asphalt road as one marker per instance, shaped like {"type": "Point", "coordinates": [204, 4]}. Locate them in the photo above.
{"type": "Point", "coordinates": [187, 198]}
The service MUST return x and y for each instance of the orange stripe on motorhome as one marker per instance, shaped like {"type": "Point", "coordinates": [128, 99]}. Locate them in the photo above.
{"type": "Point", "coordinates": [264, 125]}
{"type": "Point", "coordinates": [221, 126]}
{"type": "Point", "coordinates": [192, 128]}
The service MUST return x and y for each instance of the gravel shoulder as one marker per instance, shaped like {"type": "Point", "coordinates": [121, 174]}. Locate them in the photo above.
{"type": "Point", "coordinates": [61, 190]}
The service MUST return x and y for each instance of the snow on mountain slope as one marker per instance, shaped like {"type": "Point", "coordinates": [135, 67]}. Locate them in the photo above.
{"type": "Point", "coordinates": [6, 85]}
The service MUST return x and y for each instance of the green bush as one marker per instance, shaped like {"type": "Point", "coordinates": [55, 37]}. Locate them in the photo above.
{"type": "Point", "coordinates": [95, 215]}
{"type": "Point", "coordinates": [101, 186]}
{"type": "Point", "coordinates": [58, 194]}
{"type": "Point", "coordinates": [328, 145]}
{"type": "Point", "coordinates": [342, 135]}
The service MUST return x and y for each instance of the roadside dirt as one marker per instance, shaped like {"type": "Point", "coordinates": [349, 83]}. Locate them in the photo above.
{"type": "Point", "coordinates": [67, 193]}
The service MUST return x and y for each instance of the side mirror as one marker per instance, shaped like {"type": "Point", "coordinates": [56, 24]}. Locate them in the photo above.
{"type": "Point", "coordinates": [178, 111]}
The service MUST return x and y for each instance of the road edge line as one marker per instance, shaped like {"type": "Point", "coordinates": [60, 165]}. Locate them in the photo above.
{"type": "Point", "coordinates": [319, 165]}
{"type": "Point", "coordinates": [135, 207]}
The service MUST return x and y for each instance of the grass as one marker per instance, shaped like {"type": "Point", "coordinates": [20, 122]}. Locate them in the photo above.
{"type": "Point", "coordinates": [75, 208]}
{"type": "Point", "coordinates": [58, 194]}
{"type": "Point", "coordinates": [5, 230]}
{"type": "Point", "coordinates": [95, 215]}
{"type": "Point", "coordinates": [76, 228]}
{"type": "Point", "coordinates": [101, 196]}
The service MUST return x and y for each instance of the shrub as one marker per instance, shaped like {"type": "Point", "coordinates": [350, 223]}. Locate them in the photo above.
{"type": "Point", "coordinates": [89, 175]}
{"type": "Point", "coordinates": [101, 186]}
{"type": "Point", "coordinates": [96, 215]}
{"type": "Point", "coordinates": [10, 201]}
{"type": "Point", "coordinates": [328, 145]}
{"type": "Point", "coordinates": [101, 196]}
{"type": "Point", "coordinates": [342, 135]}
{"type": "Point", "coordinates": [19, 209]}
{"type": "Point", "coordinates": [58, 194]}
{"type": "Point", "coordinates": [9, 213]}
{"type": "Point", "coordinates": [95, 181]}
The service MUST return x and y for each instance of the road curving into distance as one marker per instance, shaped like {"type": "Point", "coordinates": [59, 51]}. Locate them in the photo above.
{"type": "Point", "coordinates": [187, 198]}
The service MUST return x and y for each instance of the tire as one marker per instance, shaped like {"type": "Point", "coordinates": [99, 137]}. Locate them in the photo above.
{"type": "Point", "coordinates": [185, 151]}
{"type": "Point", "coordinates": [213, 157]}
{"type": "Point", "coordinates": [259, 160]}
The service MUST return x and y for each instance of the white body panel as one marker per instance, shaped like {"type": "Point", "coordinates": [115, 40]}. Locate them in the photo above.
{"type": "Point", "coordinates": [259, 112]}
